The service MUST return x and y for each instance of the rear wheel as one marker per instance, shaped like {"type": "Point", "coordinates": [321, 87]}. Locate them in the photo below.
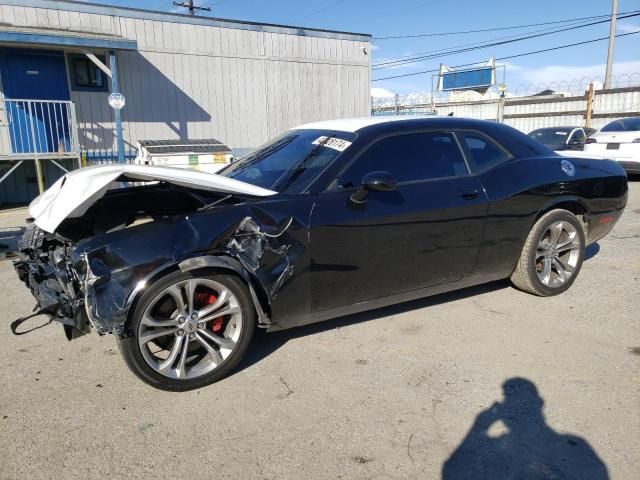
{"type": "Point", "coordinates": [552, 255]}
{"type": "Point", "coordinates": [189, 330]}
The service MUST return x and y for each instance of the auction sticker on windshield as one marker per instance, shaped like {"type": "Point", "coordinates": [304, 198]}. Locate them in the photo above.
{"type": "Point", "coordinates": [331, 142]}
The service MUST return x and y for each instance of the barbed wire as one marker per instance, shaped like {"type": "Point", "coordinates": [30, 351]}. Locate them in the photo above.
{"type": "Point", "coordinates": [574, 87]}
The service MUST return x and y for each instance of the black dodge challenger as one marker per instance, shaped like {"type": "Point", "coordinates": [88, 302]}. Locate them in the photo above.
{"type": "Point", "coordinates": [327, 219]}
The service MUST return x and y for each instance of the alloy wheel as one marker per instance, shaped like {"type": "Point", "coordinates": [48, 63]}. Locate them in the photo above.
{"type": "Point", "coordinates": [190, 328]}
{"type": "Point", "coordinates": [557, 254]}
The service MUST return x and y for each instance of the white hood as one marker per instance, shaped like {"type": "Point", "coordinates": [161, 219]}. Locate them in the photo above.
{"type": "Point", "coordinates": [73, 194]}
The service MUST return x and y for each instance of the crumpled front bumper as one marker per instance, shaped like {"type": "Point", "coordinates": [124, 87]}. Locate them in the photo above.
{"type": "Point", "coordinates": [104, 274]}
{"type": "Point", "coordinates": [51, 288]}
{"type": "Point", "coordinates": [109, 289]}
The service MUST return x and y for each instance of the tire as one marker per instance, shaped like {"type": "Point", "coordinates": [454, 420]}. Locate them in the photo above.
{"type": "Point", "coordinates": [170, 325]}
{"type": "Point", "coordinates": [541, 256]}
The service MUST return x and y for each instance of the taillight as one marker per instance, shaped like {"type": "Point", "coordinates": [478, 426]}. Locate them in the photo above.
{"type": "Point", "coordinates": [591, 140]}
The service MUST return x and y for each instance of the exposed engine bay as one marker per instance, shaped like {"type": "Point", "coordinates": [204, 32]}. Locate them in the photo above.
{"type": "Point", "coordinates": [100, 235]}
{"type": "Point", "coordinates": [59, 280]}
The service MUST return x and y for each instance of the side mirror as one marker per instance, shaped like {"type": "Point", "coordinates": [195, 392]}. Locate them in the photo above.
{"type": "Point", "coordinates": [379, 182]}
{"type": "Point", "coordinates": [374, 182]}
{"type": "Point", "coordinates": [576, 144]}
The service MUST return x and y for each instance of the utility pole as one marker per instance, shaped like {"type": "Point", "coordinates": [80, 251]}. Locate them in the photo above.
{"type": "Point", "coordinates": [192, 8]}
{"type": "Point", "coordinates": [612, 39]}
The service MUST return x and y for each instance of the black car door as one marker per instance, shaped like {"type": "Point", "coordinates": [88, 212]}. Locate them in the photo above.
{"type": "Point", "coordinates": [508, 219]}
{"type": "Point", "coordinates": [426, 232]}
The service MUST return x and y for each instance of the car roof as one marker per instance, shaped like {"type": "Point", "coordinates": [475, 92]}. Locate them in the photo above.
{"type": "Point", "coordinates": [395, 122]}
{"type": "Point", "coordinates": [358, 123]}
{"type": "Point", "coordinates": [369, 128]}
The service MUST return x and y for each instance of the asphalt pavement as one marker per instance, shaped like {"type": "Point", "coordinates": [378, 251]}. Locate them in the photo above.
{"type": "Point", "coordinates": [468, 384]}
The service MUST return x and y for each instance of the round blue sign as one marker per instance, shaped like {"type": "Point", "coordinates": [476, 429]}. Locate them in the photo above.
{"type": "Point", "coordinates": [568, 167]}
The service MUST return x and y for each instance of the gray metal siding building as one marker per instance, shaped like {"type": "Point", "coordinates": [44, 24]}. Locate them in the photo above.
{"type": "Point", "coordinates": [185, 77]}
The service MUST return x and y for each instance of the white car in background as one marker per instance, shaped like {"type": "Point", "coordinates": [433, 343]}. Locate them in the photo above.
{"type": "Point", "coordinates": [618, 140]}
{"type": "Point", "coordinates": [562, 139]}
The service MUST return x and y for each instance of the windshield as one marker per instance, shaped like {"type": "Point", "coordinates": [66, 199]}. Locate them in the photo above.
{"type": "Point", "coordinates": [551, 137]}
{"type": "Point", "coordinates": [290, 162]}
{"type": "Point", "coordinates": [623, 125]}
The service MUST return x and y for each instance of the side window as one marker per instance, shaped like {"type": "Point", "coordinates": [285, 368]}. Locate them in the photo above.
{"type": "Point", "coordinates": [415, 156]}
{"type": "Point", "coordinates": [481, 152]}
{"type": "Point", "coordinates": [578, 136]}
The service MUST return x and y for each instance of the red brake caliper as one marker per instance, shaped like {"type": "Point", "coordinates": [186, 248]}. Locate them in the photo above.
{"type": "Point", "coordinates": [208, 299]}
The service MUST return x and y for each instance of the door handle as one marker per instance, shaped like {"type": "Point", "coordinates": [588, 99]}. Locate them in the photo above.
{"type": "Point", "coordinates": [468, 194]}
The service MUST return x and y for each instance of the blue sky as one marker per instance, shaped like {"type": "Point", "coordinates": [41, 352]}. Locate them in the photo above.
{"type": "Point", "coordinates": [386, 18]}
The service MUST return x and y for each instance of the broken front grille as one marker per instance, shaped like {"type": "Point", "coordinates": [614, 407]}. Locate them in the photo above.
{"type": "Point", "coordinates": [32, 238]}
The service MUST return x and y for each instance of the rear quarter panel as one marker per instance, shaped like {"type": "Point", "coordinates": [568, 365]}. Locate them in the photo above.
{"type": "Point", "coordinates": [522, 190]}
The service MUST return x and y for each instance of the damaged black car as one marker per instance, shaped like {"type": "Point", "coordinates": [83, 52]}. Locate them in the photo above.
{"type": "Point", "coordinates": [327, 219]}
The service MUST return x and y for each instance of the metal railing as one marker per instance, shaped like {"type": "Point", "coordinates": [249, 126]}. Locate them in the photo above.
{"type": "Point", "coordinates": [38, 128]}
{"type": "Point", "coordinates": [105, 156]}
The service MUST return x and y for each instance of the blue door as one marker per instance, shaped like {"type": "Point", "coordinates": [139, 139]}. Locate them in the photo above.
{"type": "Point", "coordinates": [35, 75]}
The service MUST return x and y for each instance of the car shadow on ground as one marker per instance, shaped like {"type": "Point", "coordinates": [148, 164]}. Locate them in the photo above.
{"type": "Point", "coordinates": [511, 439]}
{"type": "Point", "coordinates": [264, 344]}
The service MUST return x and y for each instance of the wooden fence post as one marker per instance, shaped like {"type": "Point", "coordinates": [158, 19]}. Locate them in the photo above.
{"type": "Point", "coordinates": [587, 117]}
{"type": "Point", "coordinates": [500, 113]}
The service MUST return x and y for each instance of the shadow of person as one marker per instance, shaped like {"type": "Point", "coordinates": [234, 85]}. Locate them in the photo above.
{"type": "Point", "coordinates": [591, 251]}
{"type": "Point", "coordinates": [527, 448]}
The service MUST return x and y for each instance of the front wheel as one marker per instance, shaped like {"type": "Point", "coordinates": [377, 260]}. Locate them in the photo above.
{"type": "Point", "coordinates": [189, 330]}
{"type": "Point", "coordinates": [552, 255]}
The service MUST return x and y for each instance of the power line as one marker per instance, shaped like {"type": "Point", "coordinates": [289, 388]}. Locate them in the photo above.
{"type": "Point", "coordinates": [511, 56]}
{"type": "Point", "coordinates": [446, 51]}
{"type": "Point", "coordinates": [450, 51]}
{"type": "Point", "coordinates": [320, 10]}
{"type": "Point", "coordinates": [513, 27]}
{"type": "Point", "coordinates": [420, 57]}
{"type": "Point", "coordinates": [565, 46]}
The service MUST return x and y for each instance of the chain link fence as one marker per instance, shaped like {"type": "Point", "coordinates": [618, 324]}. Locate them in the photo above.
{"type": "Point", "coordinates": [576, 86]}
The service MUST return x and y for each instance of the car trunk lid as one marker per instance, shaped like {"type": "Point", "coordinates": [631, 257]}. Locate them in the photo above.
{"type": "Point", "coordinates": [616, 137]}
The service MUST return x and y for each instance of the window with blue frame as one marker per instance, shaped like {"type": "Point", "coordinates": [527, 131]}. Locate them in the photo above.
{"type": "Point", "coordinates": [85, 75]}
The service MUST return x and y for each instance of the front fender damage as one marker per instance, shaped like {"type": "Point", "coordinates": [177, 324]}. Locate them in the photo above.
{"type": "Point", "coordinates": [250, 244]}
{"type": "Point", "coordinates": [261, 249]}
{"type": "Point", "coordinates": [105, 298]}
